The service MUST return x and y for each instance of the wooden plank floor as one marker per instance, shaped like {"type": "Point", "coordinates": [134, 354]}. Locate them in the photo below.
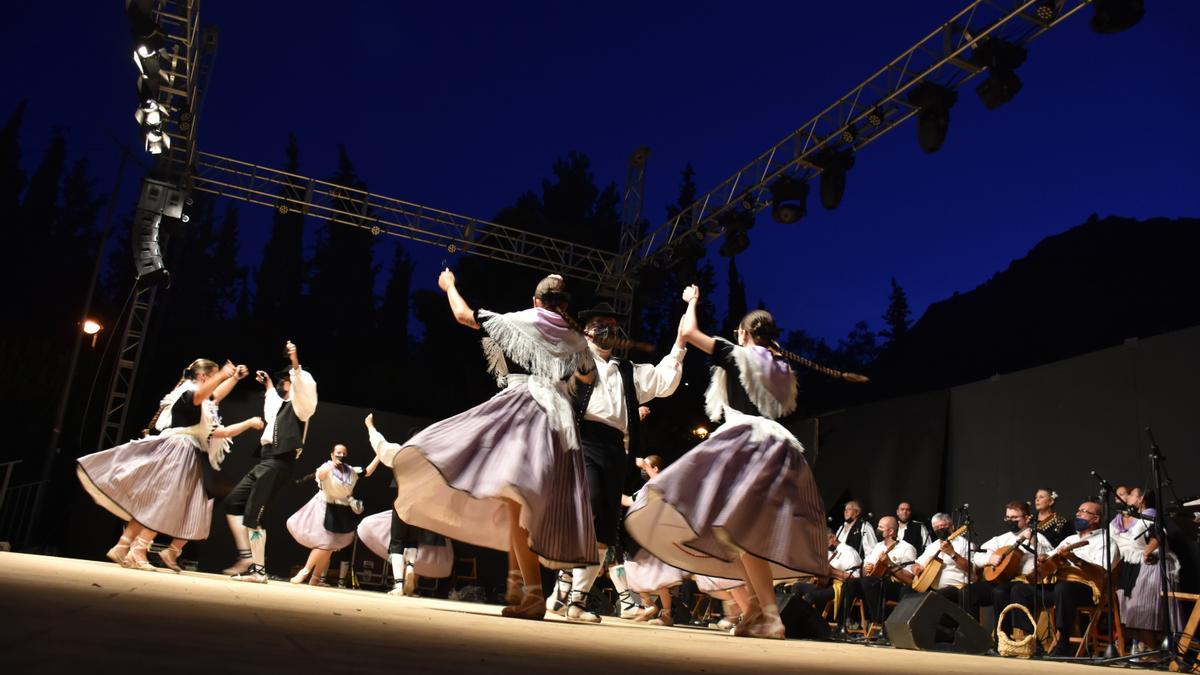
{"type": "Point", "coordinates": [72, 615]}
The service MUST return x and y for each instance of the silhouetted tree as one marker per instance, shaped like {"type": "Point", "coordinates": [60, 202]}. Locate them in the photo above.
{"type": "Point", "coordinates": [896, 317]}
{"type": "Point", "coordinates": [279, 280]}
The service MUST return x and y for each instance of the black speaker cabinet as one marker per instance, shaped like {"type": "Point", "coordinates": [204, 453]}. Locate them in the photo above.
{"type": "Point", "coordinates": [801, 621]}
{"type": "Point", "coordinates": [928, 621]}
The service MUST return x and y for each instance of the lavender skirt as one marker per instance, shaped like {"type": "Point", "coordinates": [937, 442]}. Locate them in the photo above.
{"type": "Point", "coordinates": [739, 491]}
{"type": "Point", "coordinates": [646, 574]}
{"type": "Point", "coordinates": [308, 527]}
{"type": "Point", "coordinates": [433, 562]}
{"type": "Point", "coordinates": [715, 585]}
{"type": "Point", "coordinates": [453, 478]}
{"type": "Point", "coordinates": [154, 481]}
{"type": "Point", "coordinates": [1142, 609]}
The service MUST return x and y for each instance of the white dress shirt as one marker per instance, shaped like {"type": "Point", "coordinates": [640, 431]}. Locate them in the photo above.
{"type": "Point", "coordinates": [925, 536]}
{"type": "Point", "coordinates": [983, 556]}
{"type": "Point", "coordinates": [869, 539]}
{"type": "Point", "coordinates": [846, 559]}
{"type": "Point", "coordinates": [902, 553]}
{"type": "Point", "coordinates": [607, 404]}
{"type": "Point", "coordinates": [951, 575]}
{"type": "Point", "coordinates": [303, 396]}
{"type": "Point", "coordinates": [1093, 552]}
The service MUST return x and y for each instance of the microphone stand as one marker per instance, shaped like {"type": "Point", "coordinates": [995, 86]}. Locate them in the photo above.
{"type": "Point", "coordinates": [1106, 494]}
{"type": "Point", "coordinates": [1159, 528]}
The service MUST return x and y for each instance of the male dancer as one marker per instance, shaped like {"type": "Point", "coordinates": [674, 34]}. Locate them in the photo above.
{"type": "Point", "coordinates": [286, 412]}
{"type": "Point", "coordinates": [609, 421]}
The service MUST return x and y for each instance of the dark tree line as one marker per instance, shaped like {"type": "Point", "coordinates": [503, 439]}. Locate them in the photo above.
{"type": "Point", "coordinates": [316, 283]}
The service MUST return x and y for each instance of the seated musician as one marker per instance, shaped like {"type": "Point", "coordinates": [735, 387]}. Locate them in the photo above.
{"type": "Point", "coordinates": [1014, 563]}
{"type": "Point", "coordinates": [952, 554]}
{"type": "Point", "coordinates": [1079, 574]}
{"type": "Point", "coordinates": [912, 531]}
{"type": "Point", "coordinates": [844, 563]}
{"type": "Point", "coordinates": [878, 581]}
{"type": "Point", "coordinates": [856, 532]}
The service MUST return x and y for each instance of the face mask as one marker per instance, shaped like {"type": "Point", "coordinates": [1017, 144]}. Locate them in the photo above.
{"type": "Point", "coordinates": [1082, 524]}
{"type": "Point", "coordinates": [645, 476]}
{"type": "Point", "coordinates": [881, 534]}
{"type": "Point", "coordinates": [942, 533]}
{"type": "Point", "coordinates": [603, 336]}
{"type": "Point", "coordinates": [1013, 526]}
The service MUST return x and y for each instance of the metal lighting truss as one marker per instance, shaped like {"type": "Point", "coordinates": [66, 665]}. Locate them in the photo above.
{"type": "Point", "coordinates": [941, 57]}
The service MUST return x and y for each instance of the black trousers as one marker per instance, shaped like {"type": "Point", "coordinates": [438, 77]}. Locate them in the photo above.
{"type": "Point", "coordinates": [1064, 596]}
{"type": "Point", "coordinates": [814, 595]}
{"type": "Point", "coordinates": [258, 488]}
{"type": "Point", "coordinates": [873, 591]}
{"type": "Point", "coordinates": [604, 463]}
{"type": "Point", "coordinates": [997, 596]}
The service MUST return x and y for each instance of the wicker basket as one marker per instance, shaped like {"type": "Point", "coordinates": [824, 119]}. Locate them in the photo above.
{"type": "Point", "coordinates": [1007, 646]}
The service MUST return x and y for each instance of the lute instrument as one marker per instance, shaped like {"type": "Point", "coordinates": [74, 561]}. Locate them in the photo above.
{"type": "Point", "coordinates": [1010, 563]}
{"type": "Point", "coordinates": [1047, 569]}
{"type": "Point", "coordinates": [933, 570]}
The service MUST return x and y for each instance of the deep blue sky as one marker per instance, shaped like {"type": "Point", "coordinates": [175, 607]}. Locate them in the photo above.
{"type": "Point", "coordinates": [465, 106]}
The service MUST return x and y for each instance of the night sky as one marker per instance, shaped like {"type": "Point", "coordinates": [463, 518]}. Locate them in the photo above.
{"type": "Point", "coordinates": [464, 106]}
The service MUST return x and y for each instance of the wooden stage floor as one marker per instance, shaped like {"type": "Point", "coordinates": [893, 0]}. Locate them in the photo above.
{"type": "Point", "coordinates": [65, 615]}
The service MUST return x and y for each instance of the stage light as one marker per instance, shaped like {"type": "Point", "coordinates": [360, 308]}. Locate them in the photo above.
{"type": "Point", "coordinates": [735, 225]}
{"type": "Point", "coordinates": [91, 327]}
{"type": "Point", "coordinates": [1001, 59]}
{"type": "Point", "coordinates": [1047, 10]}
{"type": "Point", "coordinates": [1114, 16]}
{"type": "Point", "coordinates": [933, 120]}
{"type": "Point", "coordinates": [157, 142]}
{"type": "Point", "coordinates": [150, 115]}
{"type": "Point", "coordinates": [875, 117]}
{"type": "Point", "coordinates": [148, 89]}
{"type": "Point", "coordinates": [834, 165]}
{"type": "Point", "coordinates": [849, 134]}
{"type": "Point", "coordinates": [700, 432]}
{"type": "Point", "coordinates": [788, 199]}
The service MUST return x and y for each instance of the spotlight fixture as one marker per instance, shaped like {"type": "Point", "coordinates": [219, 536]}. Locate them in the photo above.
{"type": "Point", "coordinates": [849, 134]}
{"type": "Point", "coordinates": [788, 197]}
{"type": "Point", "coordinates": [875, 117]}
{"type": "Point", "coordinates": [1001, 60]}
{"type": "Point", "coordinates": [933, 120]}
{"type": "Point", "coordinates": [1047, 10]}
{"type": "Point", "coordinates": [157, 142]}
{"type": "Point", "coordinates": [150, 115]}
{"type": "Point", "coordinates": [700, 432]}
{"type": "Point", "coordinates": [148, 89]}
{"type": "Point", "coordinates": [735, 225]}
{"type": "Point", "coordinates": [1114, 16]}
{"type": "Point", "coordinates": [834, 165]}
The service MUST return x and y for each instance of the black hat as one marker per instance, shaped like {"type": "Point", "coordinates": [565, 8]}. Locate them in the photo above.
{"type": "Point", "coordinates": [602, 309]}
{"type": "Point", "coordinates": [285, 374]}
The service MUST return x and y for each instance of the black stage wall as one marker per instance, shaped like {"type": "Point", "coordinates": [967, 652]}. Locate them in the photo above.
{"type": "Point", "coordinates": [1001, 439]}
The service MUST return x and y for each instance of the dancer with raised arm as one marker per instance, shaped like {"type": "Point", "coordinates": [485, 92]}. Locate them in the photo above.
{"type": "Point", "coordinates": [156, 483]}
{"type": "Point", "coordinates": [286, 410]}
{"type": "Point", "coordinates": [609, 426]}
{"type": "Point", "coordinates": [327, 522]}
{"type": "Point", "coordinates": [507, 474]}
{"type": "Point", "coordinates": [743, 503]}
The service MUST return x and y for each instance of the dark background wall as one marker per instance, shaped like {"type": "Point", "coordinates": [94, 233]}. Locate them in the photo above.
{"type": "Point", "coordinates": [1001, 439]}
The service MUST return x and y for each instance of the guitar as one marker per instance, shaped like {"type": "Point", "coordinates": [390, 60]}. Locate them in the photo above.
{"type": "Point", "coordinates": [1008, 567]}
{"type": "Point", "coordinates": [933, 570]}
{"type": "Point", "coordinates": [882, 563]}
{"type": "Point", "coordinates": [1047, 569]}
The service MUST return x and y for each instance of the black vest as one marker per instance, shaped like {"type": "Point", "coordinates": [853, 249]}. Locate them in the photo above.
{"type": "Point", "coordinates": [912, 534]}
{"type": "Point", "coordinates": [854, 536]}
{"type": "Point", "coordinates": [288, 435]}
{"type": "Point", "coordinates": [583, 394]}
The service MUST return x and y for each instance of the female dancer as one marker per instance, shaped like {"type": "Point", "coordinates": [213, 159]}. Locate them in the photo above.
{"type": "Point", "coordinates": [326, 523]}
{"type": "Point", "coordinates": [410, 551]}
{"type": "Point", "coordinates": [507, 474]}
{"type": "Point", "coordinates": [742, 504]}
{"type": "Point", "coordinates": [645, 574]}
{"type": "Point", "coordinates": [130, 480]}
{"type": "Point", "coordinates": [1053, 526]}
{"type": "Point", "coordinates": [1141, 601]}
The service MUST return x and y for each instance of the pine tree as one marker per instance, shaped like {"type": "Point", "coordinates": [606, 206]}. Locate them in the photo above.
{"type": "Point", "coordinates": [896, 317]}
{"type": "Point", "coordinates": [12, 177]}
{"type": "Point", "coordinates": [34, 246]}
{"type": "Point", "coordinates": [280, 278]}
{"type": "Point", "coordinates": [737, 299]}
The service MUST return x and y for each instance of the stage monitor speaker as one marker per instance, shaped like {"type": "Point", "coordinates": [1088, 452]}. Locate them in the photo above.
{"type": "Point", "coordinates": [927, 621]}
{"type": "Point", "coordinates": [801, 621]}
